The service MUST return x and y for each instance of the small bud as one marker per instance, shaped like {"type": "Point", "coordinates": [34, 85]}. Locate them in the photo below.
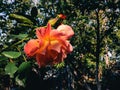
{"type": "Point", "coordinates": [62, 16]}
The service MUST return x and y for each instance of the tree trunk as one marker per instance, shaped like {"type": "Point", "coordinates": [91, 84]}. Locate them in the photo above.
{"type": "Point", "coordinates": [97, 50]}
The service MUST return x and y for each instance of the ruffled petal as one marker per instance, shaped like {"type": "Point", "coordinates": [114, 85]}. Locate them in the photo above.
{"type": "Point", "coordinates": [68, 47]}
{"type": "Point", "coordinates": [55, 45]}
{"type": "Point", "coordinates": [43, 47]}
{"type": "Point", "coordinates": [54, 34]}
{"type": "Point", "coordinates": [60, 58]}
{"type": "Point", "coordinates": [43, 32]}
{"type": "Point", "coordinates": [66, 30]}
{"type": "Point", "coordinates": [31, 47]}
{"type": "Point", "coordinates": [52, 54]}
{"type": "Point", "coordinates": [41, 60]}
{"type": "Point", "coordinates": [44, 60]}
{"type": "Point", "coordinates": [40, 32]}
{"type": "Point", "coordinates": [65, 44]}
{"type": "Point", "coordinates": [48, 30]}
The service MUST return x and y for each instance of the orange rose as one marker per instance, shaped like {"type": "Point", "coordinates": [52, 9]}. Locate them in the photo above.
{"type": "Point", "coordinates": [51, 46]}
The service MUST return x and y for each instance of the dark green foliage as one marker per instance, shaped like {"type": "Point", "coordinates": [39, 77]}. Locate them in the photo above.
{"type": "Point", "coordinates": [34, 12]}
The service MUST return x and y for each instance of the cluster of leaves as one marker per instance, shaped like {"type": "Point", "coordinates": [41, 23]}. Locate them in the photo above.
{"type": "Point", "coordinates": [16, 28]}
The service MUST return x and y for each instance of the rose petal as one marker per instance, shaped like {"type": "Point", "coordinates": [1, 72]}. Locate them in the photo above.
{"type": "Point", "coordinates": [43, 32]}
{"type": "Point", "coordinates": [31, 47]}
{"type": "Point", "coordinates": [55, 45]}
{"type": "Point", "coordinates": [65, 44]}
{"type": "Point", "coordinates": [69, 47]}
{"type": "Point", "coordinates": [48, 30]}
{"type": "Point", "coordinates": [52, 54]}
{"type": "Point", "coordinates": [40, 32]}
{"type": "Point", "coordinates": [43, 47]}
{"type": "Point", "coordinates": [41, 60]}
{"type": "Point", "coordinates": [54, 34]}
{"type": "Point", "coordinates": [66, 30]}
{"type": "Point", "coordinates": [44, 60]}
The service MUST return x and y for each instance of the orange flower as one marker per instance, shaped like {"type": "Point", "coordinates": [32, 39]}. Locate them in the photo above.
{"type": "Point", "coordinates": [51, 46]}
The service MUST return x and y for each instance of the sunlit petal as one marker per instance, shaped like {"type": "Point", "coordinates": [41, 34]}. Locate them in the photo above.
{"type": "Point", "coordinates": [31, 47]}
{"type": "Point", "coordinates": [48, 30]}
{"type": "Point", "coordinates": [43, 47]}
{"type": "Point", "coordinates": [56, 34]}
{"type": "Point", "coordinates": [66, 30]}
{"type": "Point", "coordinates": [40, 32]}
{"type": "Point", "coordinates": [43, 32]}
{"type": "Point", "coordinates": [55, 45]}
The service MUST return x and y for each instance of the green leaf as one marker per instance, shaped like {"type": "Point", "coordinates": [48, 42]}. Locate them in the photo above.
{"type": "Point", "coordinates": [10, 69]}
{"type": "Point", "coordinates": [20, 36]}
{"type": "Point", "coordinates": [27, 25]}
{"type": "Point", "coordinates": [2, 58]}
{"type": "Point", "coordinates": [20, 82]}
{"type": "Point", "coordinates": [11, 54]}
{"type": "Point", "coordinates": [60, 65]}
{"type": "Point", "coordinates": [24, 67]}
{"type": "Point", "coordinates": [21, 18]}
